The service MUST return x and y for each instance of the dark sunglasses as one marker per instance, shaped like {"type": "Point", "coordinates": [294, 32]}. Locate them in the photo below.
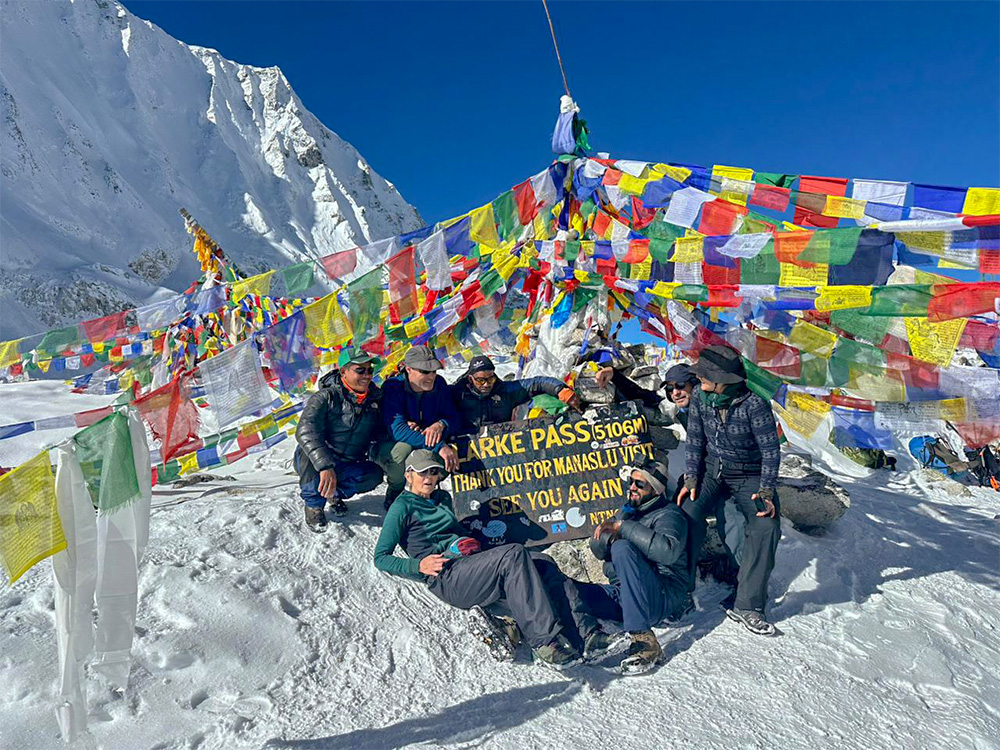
{"type": "Point", "coordinates": [674, 386]}
{"type": "Point", "coordinates": [364, 370]}
{"type": "Point", "coordinates": [641, 484]}
{"type": "Point", "coordinates": [424, 372]}
{"type": "Point", "coordinates": [431, 472]}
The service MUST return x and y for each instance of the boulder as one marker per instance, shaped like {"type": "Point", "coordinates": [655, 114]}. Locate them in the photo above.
{"type": "Point", "coordinates": [809, 499]}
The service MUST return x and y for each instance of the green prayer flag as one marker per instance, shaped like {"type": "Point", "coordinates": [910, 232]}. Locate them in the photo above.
{"type": "Point", "coordinates": [760, 381]}
{"type": "Point", "coordinates": [105, 453]}
{"type": "Point", "coordinates": [490, 283]}
{"type": "Point", "coordinates": [813, 371]}
{"type": "Point", "coordinates": [691, 292]}
{"type": "Point", "coordinates": [761, 269]}
{"type": "Point", "coordinates": [298, 278]}
{"type": "Point", "coordinates": [661, 230]}
{"type": "Point", "coordinates": [59, 339]}
{"type": "Point", "coordinates": [902, 300]}
{"type": "Point", "coordinates": [774, 178]}
{"type": "Point", "coordinates": [364, 296]}
{"type": "Point", "coordinates": [849, 353]}
{"type": "Point", "coordinates": [506, 214]}
{"type": "Point", "coordinates": [571, 250]}
{"type": "Point", "coordinates": [835, 247]}
{"type": "Point", "coordinates": [871, 328]}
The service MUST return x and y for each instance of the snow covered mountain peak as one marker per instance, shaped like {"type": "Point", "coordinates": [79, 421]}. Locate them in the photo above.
{"type": "Point", "coordinates": [111, 125]}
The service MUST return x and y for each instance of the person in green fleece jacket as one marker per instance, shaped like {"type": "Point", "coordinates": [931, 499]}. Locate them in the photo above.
{"type": "Point", "coordinates": [455, 569]}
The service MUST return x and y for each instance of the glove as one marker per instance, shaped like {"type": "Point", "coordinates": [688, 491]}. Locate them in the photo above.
{"type": "Point", "coordinates": [568, 396]}
{"type": "Point", "coordinates": [464, 545]}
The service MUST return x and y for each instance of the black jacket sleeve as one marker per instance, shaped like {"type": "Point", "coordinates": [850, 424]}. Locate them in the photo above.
{"type": "Point", "coordinates": [662, 544]}
{"type": "Point", "coordinates": [312, 426]}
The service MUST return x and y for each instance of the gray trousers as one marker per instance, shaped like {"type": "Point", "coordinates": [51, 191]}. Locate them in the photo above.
{"type": "Point", "coordinates": [505, 574]}
{"type": "Point", "coordinates": [761, 534]}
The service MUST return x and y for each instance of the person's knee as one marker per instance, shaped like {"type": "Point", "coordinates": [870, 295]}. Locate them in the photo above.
{"type": "Point", "coordinates": [399, 452]}
{"type": "Point", "coordinates": [623, 549]}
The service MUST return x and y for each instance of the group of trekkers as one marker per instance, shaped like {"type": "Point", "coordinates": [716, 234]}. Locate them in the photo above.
{"type": "Point", "coordinates": [352, 433]}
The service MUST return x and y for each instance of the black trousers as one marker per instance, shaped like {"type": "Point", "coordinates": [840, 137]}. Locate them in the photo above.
{"type": "Point", "coordinates": [505, 574]}
{"type": "Point", "coordinates": [760, 536]}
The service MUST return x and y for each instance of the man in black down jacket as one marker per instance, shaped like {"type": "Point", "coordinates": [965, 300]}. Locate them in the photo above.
{"type": "Point", "coordinates": [644, 549]}
{"type": "Point", "coordinates": [733, 454]}
{"type": "Point", "coordinates": [481, 398]}
{"type": "Point", "coordinates": [336, 432]}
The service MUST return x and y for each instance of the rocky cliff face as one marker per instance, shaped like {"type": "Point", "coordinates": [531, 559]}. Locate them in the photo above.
{"type": "Point", "coordinates": [111, 125]}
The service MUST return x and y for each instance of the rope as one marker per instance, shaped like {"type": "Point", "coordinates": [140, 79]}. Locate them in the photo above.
{"type": "Point", "coordinates": [556, 45]}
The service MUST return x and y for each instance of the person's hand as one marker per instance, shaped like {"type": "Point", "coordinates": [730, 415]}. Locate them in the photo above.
{"type": "Point", "coordinates": [327, 483]}
{"type": "Point", "coordinates": [765, 497]}
{"type": "Point", "coordinates": [603, 377]}
{"type": "Point", "coordinates": [432, 434]}
{"type": "Point", "coordinates": [414, 426]}
{"type": "Point", "coordinates": [569, 397]}
{"type": "Point", "coordinates": [611, 526]}
{"type": "Point", "coordinates": [686, 493]}
{"type": "Point", "coordinates": [432, 564]}
{"type": "Point", "coordinates": [450, 457]}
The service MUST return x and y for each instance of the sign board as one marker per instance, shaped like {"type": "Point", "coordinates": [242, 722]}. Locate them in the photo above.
{"type": "Point", "coordinates": [547, 480]}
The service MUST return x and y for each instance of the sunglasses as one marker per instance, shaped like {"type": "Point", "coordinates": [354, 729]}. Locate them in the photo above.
{"type": "Point", "coordinates": [431, 472]}
{"type": "Point", "coordinates": [423, 372]}
{"type": "Point", "coordinates": [484, 380]}
{"type": "Point", "coordinates": [364, 370]}
{"type": "Point", "coordinates": [640, 483]}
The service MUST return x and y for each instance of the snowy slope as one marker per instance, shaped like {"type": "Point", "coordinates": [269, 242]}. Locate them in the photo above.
{"type": "Point", "coordinates": [253, 632]}
{"type": "Point", "coordinates": [110, 125]}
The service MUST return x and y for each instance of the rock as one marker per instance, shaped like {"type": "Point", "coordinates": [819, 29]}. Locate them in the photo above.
{"type": "Point", "coordinates": [575, 559]}
{"type": "Point", "coordinates": [809, 499]}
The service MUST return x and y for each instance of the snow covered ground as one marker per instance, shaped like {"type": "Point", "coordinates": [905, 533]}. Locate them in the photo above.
{"type": "Point", "coordinates": [253, 632]}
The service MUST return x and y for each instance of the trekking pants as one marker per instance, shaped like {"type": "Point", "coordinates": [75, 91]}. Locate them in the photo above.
{"type": "Point", "coordinates": [393, 461]}
{"type": "Point", "coordinates": [504, 574]}
{"type": "Point", "coordinates": [570, 600]}
{"type": "Point", "coordinates": [353, 478]}
{"type": "Point", "coordinates": [761, 535]}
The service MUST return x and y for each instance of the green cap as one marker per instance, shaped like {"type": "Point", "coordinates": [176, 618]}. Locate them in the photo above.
{"type": "Point", "coordinates": [350, 355]}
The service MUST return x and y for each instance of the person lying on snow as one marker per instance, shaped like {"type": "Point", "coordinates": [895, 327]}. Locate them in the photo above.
{"type": "Point", "coordinates": [481, 398]}
{"type": "Point", "coordinates": [733, 454]}
{"type": "Point", "coordinates": [339, 432]}
{"type": "Point", "coordinates": [644, 549]}
{"type": "Point", "coordinates": [547, 607]}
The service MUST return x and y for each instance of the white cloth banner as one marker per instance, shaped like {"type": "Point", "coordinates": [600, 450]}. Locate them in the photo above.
{"type": "Point", "coordinates": [592, 169]}
{"type": "Point", "coordinates": [878, 191]}
{"type": "Point", "coordinates": [633, 168]}
{"type": "Point", "coordinates": [685, 205]}
{"type": "Point", "coordinates": [433, 253]}
{"type": "Point", "coordinates": [616, 196]}
{"type": "Point", "coordinates": [544, 188]}
{"type": "Point", "coordinates": [745, 245]}
{"type": "Point", "coordinates": [161, 314]}
{"type": "Point", "coordinates": [234, 383]}
{"type": "Point", "coordinates": [688, 273]}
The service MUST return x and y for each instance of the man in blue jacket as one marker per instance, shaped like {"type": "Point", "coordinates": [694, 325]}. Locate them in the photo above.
{"type": "Point", "coordinates": [644, 549]}
{"type": "Point", "coordinates": [418, 412]}
{"type": "Point", "coordinates": [733, 454]}
{"type": "Point", "coordinates": [481, 398]}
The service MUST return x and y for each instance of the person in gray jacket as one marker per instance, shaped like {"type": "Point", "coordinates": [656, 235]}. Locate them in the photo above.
{"type": "Point", "coordinates": [644, 549]}
{"type": "Point", "coordinates": [340, 428]}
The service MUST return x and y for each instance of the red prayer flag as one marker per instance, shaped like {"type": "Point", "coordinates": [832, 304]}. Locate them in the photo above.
{"type": "Point", "coordinates": [642, 217]}
{"type": "Point", "coordinates": [788, 246]}
{"type": "Point", "coordinates": [611, 177]}
{"type": "Point", "coordinates": [720, 276]}
{"type": "Point", "coordinates": [962, 300]}
{"type": "Point", "coordinates": [989, 260]}
{"type": "Point", "coordinates": [779, 358]}
{"type": "Point", "coordinates": [601, 224]}
{"type": "Point", "coordinates": [769, 196]}
{"type": "Point", "coordinates": [527, 203]}
{"type": "Point", "coordinates": [824, 186]}
{"type": "Point", "coordinates": [171, 415]}
{"type": "Point", "coordinates": [338, 265]}
{"type": "Point", "coordinates": [982, 336]}
{"type": "Point", "coordinates": [718, 217]}
{"type": "Point", "coordinates": [402, 284]}
{"type": "Point", "coordinates": [472, 297]}
{"type": "Point", "coordinates": [102, 329]}
{"type": "Point", "coordinates": [916, 373]}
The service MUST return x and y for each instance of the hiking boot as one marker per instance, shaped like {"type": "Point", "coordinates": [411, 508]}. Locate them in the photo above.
{"type": "Point", "coordinates": [643, 655]}
{"type": "Point", "coordinates": [338, 507]}
{"type": "Point", "coordinates": [752, 620]}
{"type": "Point", "coordinates": [558, 654]}
{"type": "Point", "coordinates": [315, 519]}
{"type": "Point", "coordinates": [599, 643]}
{"type": "Point", "coordinates": [681, 612]}
{"type": "Point", "coordinates": [390, 496]}
{"type": "Point", "coordinates": [500, 634]}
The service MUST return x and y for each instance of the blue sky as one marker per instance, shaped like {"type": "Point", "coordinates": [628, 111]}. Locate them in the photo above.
{"type": "Point", "coordinates": [455, 102]}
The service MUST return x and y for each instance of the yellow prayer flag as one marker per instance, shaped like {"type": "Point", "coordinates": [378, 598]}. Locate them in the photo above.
{"type": "Point", "coordinates": [813, 339]}
{"type": "Point", "coordinates": [843, 297]}
{"type": "Point", "coordinates": [258, 425]}
{"type": "Point", "coordinates": [30, 529]}
{"type": "Point", "coordinates": [664, 289]}
{"type": "Point", "coordinates": [642, 270]}
{"type": "Point", "coordinates": [675, 173]}
{"type": "Point", "coordinates": [45, 364]}
{"type": "Point", "coordinates": [982, 201]}
{"type": "Point", "coordinates": [793, 275]}
{"type": "Point", "coordinates": [10, 352]}
{"type": "Point", "coordinates": [953, 409]}
{"type": "Point", "coordinates": [733, 173]}
{"type": "Point", "coordinates": [326, 324]}
{"type": "Point", "coordinates": [484, 226]}
{"type": "Point", "coordinates": [934, 243]}
{"type": "Point", "coordinates": [188, 464]}
{"type": "Point", "coordinates": [631, 185]}
{"type": "Point", "coordinates": [259, 284]}
{"type": "Point", "coordinates": [844, 208]}
{"type": "Point", "coordinates": [934, 342]}
{"type": "Point", "coordinates": [415, 327]}
{"type": "Point", "coordinates": [803, 413]}
{"type": "Point", "coordinates": [689, 250]}
{"type": "Point", "coordinates": [880, 385]}
{"type": "Point", "coordinates": [923, 277]}
{"type": "Point", "coordinates": [794, 227]}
